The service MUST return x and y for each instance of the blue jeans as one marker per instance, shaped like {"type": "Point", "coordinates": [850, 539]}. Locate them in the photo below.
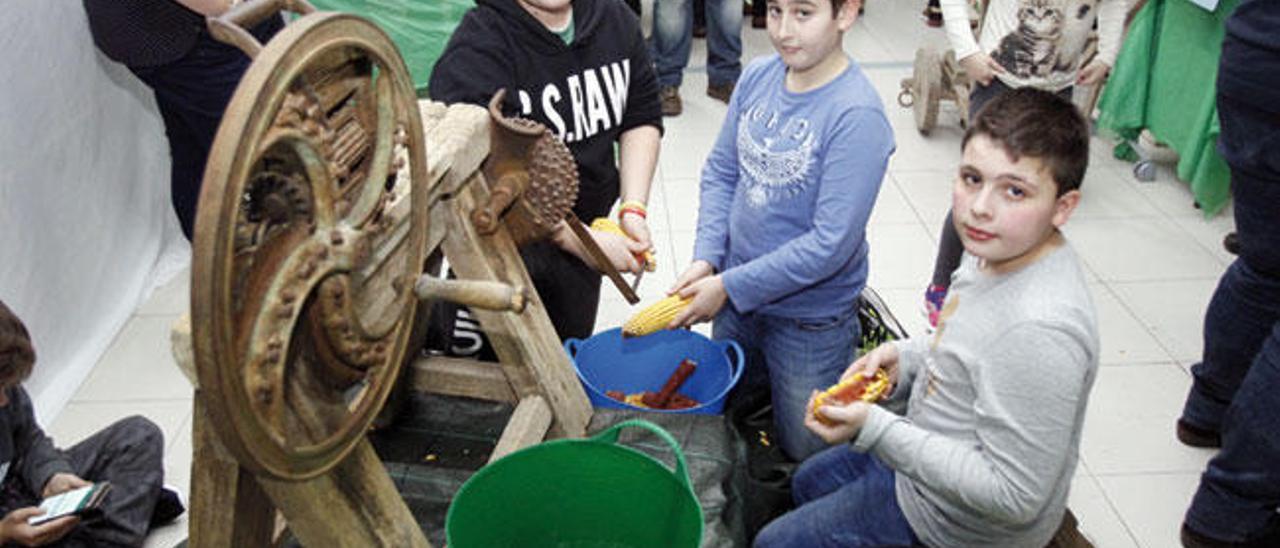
{"type": "Point", "coordinates": [1235, 384]}
{"type": "Point", "coordinates": [793, 358]}
{"type": "Point", "coordinates": [844, 499]}
{"type": "Point", "coordinates": [673, 36]}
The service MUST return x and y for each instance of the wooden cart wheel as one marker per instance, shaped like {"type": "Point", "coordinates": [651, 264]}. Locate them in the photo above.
{"type": "Point", "coordinates": [927, 78]}
{"type": "Point", "coordinates": [310, 231]}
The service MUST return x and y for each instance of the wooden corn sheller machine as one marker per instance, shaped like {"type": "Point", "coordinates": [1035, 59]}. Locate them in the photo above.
{"type": "Point", "coordinates": [327, 201]}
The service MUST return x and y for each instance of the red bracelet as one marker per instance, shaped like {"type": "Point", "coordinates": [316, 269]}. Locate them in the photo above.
{"type": "Point", "coordinates": [632, 209]}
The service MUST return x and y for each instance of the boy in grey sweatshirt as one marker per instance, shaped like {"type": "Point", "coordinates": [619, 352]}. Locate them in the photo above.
{"type": "Point", "coordinates": [995, 399]}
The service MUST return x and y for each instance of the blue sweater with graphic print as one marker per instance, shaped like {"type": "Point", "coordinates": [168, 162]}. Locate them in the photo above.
{"type": "Point", "coordinates": [787, 191]}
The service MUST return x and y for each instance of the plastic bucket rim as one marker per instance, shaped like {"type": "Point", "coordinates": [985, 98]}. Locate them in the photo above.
{"type": "Point", "coordinates": [736, 368]}
{"type": "Point", "coordinates": [684, 488]}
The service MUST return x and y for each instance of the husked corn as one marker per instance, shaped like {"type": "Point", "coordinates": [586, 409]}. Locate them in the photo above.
{"type": "Point", "coordinates": [605, 224]}
{"type": "Point", "coordinates": [654, 317]}
{"type": "Point", "coordinates": [853, 388]}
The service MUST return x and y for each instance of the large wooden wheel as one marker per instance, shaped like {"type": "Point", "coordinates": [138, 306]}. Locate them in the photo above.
{"type": "Point", "coordinates": [311, 229]}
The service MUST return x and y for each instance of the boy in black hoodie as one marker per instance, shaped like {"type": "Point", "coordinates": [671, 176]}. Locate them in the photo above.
{"type": "Point", "coordinates": [579, 67]}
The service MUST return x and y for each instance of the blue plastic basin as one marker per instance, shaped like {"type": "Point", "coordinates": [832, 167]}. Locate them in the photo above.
{"type": "Point", "coordinates": [607, 361]}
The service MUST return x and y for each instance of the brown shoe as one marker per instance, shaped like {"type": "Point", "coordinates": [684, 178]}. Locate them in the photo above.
{"type": "Point", "coordinates": [1196, 436]}
{"type": "Point", "coordinates": [720, 92]}
{"type": "Point", "coordinates": [670, 98]}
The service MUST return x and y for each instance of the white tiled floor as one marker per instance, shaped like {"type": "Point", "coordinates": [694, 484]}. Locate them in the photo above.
{"type": "Point", "coordinates": [1154, 258]}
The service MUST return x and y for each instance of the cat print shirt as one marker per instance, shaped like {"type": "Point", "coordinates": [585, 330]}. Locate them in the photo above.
{"type": "Point", "coordinates": [1040, 43]}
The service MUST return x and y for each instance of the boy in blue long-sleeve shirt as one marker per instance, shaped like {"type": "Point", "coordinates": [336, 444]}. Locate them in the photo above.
{"type": "Point", "coordinates": [786, 194]}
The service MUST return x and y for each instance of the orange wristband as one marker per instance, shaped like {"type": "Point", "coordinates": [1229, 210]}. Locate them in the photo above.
{"type": "Point", "coordinates": [626, 210]}
{"type": "Point", "coordinates": [632, 206]}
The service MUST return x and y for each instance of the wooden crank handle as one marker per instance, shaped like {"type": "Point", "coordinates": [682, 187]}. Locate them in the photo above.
{"type": "Point", "coordinates": [230, 27]}
{"type": "Point", "coordinates": [495, 296]}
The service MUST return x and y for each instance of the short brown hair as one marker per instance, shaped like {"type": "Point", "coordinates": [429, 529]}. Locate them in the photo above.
{"type": "Point", "coordinates": [1037, 124]}
{"type": "Point", "coordinates": [17, 356]}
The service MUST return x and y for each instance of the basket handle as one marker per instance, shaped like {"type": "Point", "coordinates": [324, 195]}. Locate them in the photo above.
{"type": "Point", "coordinates": [736, 359]}
{"type": "Point", "coordinates": [571, 346]}
{"type": "Point", "coordinates": [611, 436]}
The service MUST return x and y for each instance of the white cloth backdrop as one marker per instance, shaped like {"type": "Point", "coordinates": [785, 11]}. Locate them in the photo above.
{"type": "Point", "coordinates": [86, 231]}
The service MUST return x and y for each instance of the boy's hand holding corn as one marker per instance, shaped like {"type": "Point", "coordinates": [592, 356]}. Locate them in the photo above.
{"type": "Point", "coordinates": [705, 291]}
{"type": "Point", "coordinates": [843, 422]}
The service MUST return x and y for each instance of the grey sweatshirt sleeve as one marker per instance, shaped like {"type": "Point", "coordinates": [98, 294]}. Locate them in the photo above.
{"type": "Point", "coordinates": [35, 457]}
{"type": "Point", "coordinates": [1026, 404]}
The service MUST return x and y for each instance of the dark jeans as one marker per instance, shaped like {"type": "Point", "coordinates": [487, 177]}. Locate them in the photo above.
{"type": "Point", "coordinates": [1236, 384]}
{"type": "Point", "coordinates": [950, 248]}
{"type": "Point", "coordinates": [843, 498]}
{"type": "Point", "coordinates": [130, 455]}
{"type": "Point", "coordinates": [192, 94]}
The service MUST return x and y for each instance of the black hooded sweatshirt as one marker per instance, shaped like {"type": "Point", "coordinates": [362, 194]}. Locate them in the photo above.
{"type": "Point", "coordinates": [588, 92]}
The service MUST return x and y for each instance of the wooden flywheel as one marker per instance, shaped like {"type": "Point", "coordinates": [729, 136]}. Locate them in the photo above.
{"type": "Point", "coordinates": [312, 214]}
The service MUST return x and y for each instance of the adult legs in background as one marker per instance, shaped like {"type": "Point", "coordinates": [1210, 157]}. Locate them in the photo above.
{"type": "Point", "coordinates": [1240, 488]}
{"type": "Point", "coordinates": [192, 94]}
{"type": "Point", "coordinates": [1233, 393]}
{"type": "Point", "coordinates": [843, 498]}
{"type": "Point", "coordinates": [672, 37]}
{"type": "Point", "coordinates": [1246, 303]}
{"type": "Point", "coordinates": [724, 47]}
{"type": "Point", "coordinates": [671, 40]}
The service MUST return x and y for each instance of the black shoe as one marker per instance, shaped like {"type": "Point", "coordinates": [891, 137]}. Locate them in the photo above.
{"type": "Point", "coordinates": [1231, 243]}
{"type": "Point", "coordinates": [1196, 436]}
{"type": "Point", "coordinates": [168, 507]}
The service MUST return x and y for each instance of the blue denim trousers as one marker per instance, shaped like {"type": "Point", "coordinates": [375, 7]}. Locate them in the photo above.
{"type": "Point", "coordinates": [1235, 385]}
{"type": "Point", "coordinates": [793, 358]}
{"type": "Point", "coordinates": [845, 499]}
{"type": "Point", "coordinates": [673, 37]}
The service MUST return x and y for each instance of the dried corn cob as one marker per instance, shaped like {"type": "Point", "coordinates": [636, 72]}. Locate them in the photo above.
{"type": "Point", "coordinates": [851, 389]}
{"type": "Point", "coordinates": [654, 317]}
{"type": "Point", "coordinates": [605, 224]}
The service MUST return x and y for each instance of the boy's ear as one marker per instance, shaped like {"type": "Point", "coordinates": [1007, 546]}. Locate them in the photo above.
{"type": "Point", "coordinates": [1064, 206]}
{"type": "Point", "coordinates": [847, 15]}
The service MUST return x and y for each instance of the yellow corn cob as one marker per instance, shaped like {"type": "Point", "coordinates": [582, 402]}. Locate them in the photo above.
{"type": "Point", "coordinates": [654, 317]}
{"type": "Point", "coordinates": [875, 388]}
{"type": "Point", "coordinates": [605, 224]}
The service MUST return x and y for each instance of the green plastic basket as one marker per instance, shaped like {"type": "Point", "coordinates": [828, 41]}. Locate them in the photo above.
{"type": "Point", "coordinates": [578, 493]}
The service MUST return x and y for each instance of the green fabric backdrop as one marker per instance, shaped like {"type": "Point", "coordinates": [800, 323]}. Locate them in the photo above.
{"type": "Point", "coordinates": [420, 28]}
{"type": "Point", "coordinates": [1164, 81]}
